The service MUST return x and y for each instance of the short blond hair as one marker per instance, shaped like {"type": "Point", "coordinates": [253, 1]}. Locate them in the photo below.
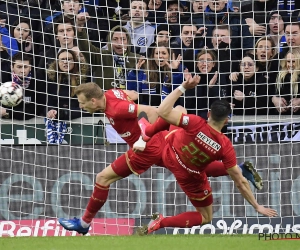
{"type": "Point", "coordinates": [89, 90]}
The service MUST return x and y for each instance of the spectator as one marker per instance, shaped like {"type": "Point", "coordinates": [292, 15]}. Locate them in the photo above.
{"type": "Point", "coordinates": [64, 31]}
{"type": "Point", "coordinates": [286, 97]}
{"type": "Point", "coordinates": [34, 92]}
{"type": "Point", "coordinates": [226, 63]}
{"type": "Point", "coordinates": [21, 31]}
{"type": "Point", "coordinates": [199, 99]}
{"type": "Point", "coordinates": [140, 31]}
{"type": "Point", "coordinates": [72, 10]}
{"type": "Point", "coordinates": [218, 13]}
{"type": "Point", "coordinates": [63, 76]}
{"type": "Point", "coordinates": [162, 34]}
{"type": "Point", "coordinates": [292, 34]}
{"type": "Point", "coordinates": [157, 10]}
{"type": "Point", "coordinates": [189, 42]}
{"type": "Point", "coordinates": [276, 29]}
{"type": "Point", "coordinates": [110, 66]}
{"type": "Point", "coordinates": [158, 76]}
{"type": "Point", "coordinates": [198, 6]}
{"type": "Point", "coordinates": [250, 94]}
{"type": "Point", "coordinates": [17, 39]}
{"type": "Point", "coordinates": [256, 15]}
{"type": "Point", "coordinates": [264, 53]}
{"type": "Point", "coordinates": [172, 17]}
{"type": "Point", "coordinates": [12, 10]}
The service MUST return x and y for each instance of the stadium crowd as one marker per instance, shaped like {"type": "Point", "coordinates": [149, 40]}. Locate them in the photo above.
{"type": "Point", "coordinates": [247, 52]}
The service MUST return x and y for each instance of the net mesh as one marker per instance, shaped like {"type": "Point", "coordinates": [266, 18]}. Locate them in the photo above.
{"type": "Point", "coordinates": [246, 52]}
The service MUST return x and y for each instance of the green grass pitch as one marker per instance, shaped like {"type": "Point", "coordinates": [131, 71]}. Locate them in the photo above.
{"type": "Point", "coordinates": [151, 242]}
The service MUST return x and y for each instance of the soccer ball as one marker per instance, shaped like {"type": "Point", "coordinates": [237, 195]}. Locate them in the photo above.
{"type": "Point", "coordinates": [11, 94]}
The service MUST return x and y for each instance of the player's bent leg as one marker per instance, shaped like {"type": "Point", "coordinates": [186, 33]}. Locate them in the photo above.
{"type": "Point", "coordinates": [216, 169]}
{"type": "Point", "coordinates": [250, 173]}
{"type": "Point", "coordinates": [203, 215]}
{"type": "Point", "coordinates": [207, 214]}
{"type": "Point", "coordinates": [107, 176]}
{"type": "Point", "coordinates": [116, 171]}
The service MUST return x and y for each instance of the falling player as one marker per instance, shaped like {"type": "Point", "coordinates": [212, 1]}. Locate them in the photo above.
{"type": "Point", "coordinates": [123, 114]}
{"type": "Point", "coordinates": [189, 150]}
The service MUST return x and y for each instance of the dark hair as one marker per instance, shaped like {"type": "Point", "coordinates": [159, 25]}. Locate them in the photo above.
{"type": "Point", "coordinates": [63, 19]}
{"type": "Point", "coordinates": [144, 1]}
{"type": "Point", "coordinates": [188, 23]}
{"type": "Point", "coordinates": [292, 22]}
{"type": "Point", "coordinates": [220, 110]}
{"type": "Point", "coordinates": [17, 22]}
{"type": "Point", "coordinates": [80, 1]}
{"type": "Point", "coordinates": [223, 27]}
{"type": "Point", "coordinates": [21, 57]}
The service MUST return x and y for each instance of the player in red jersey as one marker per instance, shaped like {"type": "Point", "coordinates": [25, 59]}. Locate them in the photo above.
{"type": "Point", "coordinates": [122, 113]}
{"type": "Point", "coordinates": [188, 152]}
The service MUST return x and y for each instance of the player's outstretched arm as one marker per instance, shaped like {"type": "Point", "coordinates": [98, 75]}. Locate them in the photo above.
{"type": "Point", "coordinates": [165, 109]}
{"type": "Point", "coordinates": [244, 188]}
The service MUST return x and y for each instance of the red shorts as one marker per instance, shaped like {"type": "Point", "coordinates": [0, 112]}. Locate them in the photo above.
{"type": "Point", "coordinates": [196, 186]}
{"type": "Point", "coordinates": [138, 163]}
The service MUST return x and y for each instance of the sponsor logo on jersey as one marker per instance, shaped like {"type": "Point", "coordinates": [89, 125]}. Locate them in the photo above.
{"type": "Point", "coordinates": [185, 120]}
{"type": "Point", "coordinates": [112, 122]}
{"type": "Point", "coordinates": [118, 94]}
{"type": "Point", "coordinates": [208, 141]}
{"type": "Point", "coordinates": [142, 41]}
{"type": "Point", "coordinates": [131, 108]}
{"type": "Point", "coordinates": [126, 134]}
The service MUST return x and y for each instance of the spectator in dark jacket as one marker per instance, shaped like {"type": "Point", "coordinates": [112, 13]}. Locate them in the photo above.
{"type": "Point", "coordinates": [71, 10]}
{"type": "Point", "coordinates": [199, 99]}
{"type": "Point", "coordinates": [63, 76]}
{"type": "Point", "coordinates": [217, 13]}
{"type": "Point", "coordinates": [250, 93]}
{"type": "Point", "coordinates": [33, 103]}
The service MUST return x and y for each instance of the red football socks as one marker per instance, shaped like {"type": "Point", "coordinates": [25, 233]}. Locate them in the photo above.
{"type": "Point", "coordinates": [187, 219]}
{"type": "Point", "coordinates": [96, 201]}
{"type": "Point", "coordinates": [159, 125]}
{"type": "Point", "coordinates": [215, 169]}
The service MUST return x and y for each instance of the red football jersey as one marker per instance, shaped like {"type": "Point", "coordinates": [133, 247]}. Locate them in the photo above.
{"type": "Point", "coordinates": [196, 144]}
{"type": "Point", "coordinates": [121, 112]}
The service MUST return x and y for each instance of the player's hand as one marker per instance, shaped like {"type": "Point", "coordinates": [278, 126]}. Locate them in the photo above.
{"type": "Point", "coordinates": [140, 62]}
{"type": "Point", "coordinates": [139, 146]}
{"type": "Point", "coordinates": [266, 211]}
{"type": "Point", "coordinates": [51, 114]}
{"type": "Point", "coordinates": [213, 80]}
{"type": "Point", "coordinates": [190, 81]}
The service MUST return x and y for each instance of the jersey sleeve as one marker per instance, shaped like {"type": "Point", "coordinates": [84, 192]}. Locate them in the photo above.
{"type": "Point", "coordinates": [191, 123]}
{"type": "Point", "coordinates": [122, 105]}
{"type": "Point", "coordinates": [229, 156]}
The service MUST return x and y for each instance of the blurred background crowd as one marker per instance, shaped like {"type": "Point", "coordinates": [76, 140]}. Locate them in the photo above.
{"type": "Point", "coordinates": [247, 52]}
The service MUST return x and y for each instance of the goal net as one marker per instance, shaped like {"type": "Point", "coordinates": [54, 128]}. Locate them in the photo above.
{"type": "Point", "coordinates": [246, 53]}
